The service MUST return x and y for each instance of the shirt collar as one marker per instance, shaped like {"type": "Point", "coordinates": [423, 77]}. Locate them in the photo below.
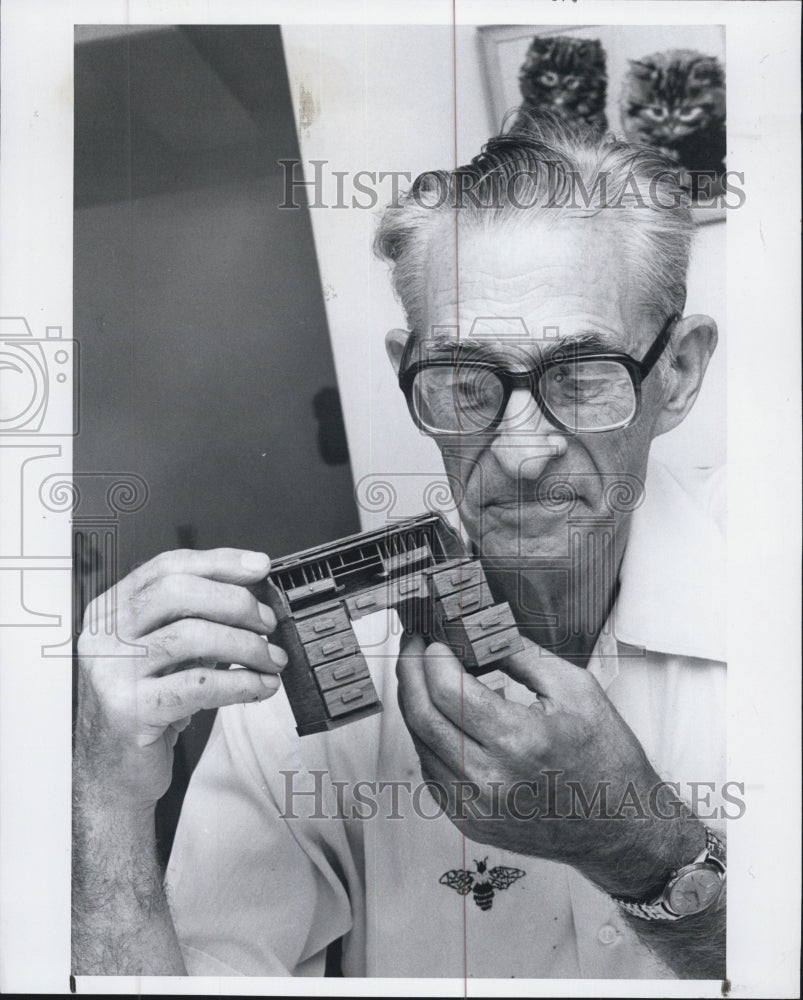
{"type": "Point", "coordinates": [672, 580]}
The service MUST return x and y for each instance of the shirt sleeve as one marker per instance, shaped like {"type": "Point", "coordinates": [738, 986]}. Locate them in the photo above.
{"type": "Point", "coordinates": [251, 892]}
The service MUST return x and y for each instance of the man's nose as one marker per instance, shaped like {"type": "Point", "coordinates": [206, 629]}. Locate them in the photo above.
{"type": "Point", "coordinates": [525, 439]}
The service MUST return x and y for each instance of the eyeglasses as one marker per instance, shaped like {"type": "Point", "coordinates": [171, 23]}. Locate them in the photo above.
{"type": "Point", "coordinates": [580, 390]}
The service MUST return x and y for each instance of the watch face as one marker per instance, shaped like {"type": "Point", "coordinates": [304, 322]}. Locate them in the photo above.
{"type": "Point", "coordinates": [694, 890]}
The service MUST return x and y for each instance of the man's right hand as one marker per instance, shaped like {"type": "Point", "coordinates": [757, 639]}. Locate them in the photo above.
{"type": "Point", "coordinates": [146, 664]}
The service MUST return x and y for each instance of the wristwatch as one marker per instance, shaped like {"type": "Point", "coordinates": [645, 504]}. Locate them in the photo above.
{"type": "Point", "coordinates": [689, 890]}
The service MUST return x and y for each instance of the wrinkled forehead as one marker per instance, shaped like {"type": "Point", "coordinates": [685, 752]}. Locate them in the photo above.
{"type": "Point", "coordinates": [509, 283]}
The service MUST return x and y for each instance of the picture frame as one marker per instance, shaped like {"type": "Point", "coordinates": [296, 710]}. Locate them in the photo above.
{"type": "Point", "coordinates": [503, 50]}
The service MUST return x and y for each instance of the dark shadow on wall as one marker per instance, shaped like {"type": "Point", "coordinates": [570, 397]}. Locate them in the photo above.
{"type": "Point", "coordinates": [198, 307]}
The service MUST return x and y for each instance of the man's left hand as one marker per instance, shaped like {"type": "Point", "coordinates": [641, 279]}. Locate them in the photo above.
{"type": "Point", "coordinates": [563, 778]}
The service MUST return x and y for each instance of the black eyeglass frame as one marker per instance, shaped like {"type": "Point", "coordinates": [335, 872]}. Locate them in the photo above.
{"type": "Point", "coordinates": [529, 379]}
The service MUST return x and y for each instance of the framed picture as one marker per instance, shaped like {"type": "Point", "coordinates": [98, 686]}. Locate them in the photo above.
{"type": "Point", "coordinates": [663, 85]}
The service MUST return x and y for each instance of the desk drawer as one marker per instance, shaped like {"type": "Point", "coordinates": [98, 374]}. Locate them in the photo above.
{"type": "Point", "coordinates": [334, 619]}
{"type": "Point", "coordinates": [465, 602]}
{"type": "Point", "coordinates": [494, 647]}
{"type": "Point", "coordinates": [334, 647]}
{"type": "Point", "coordinates": [350, 697]}
{"type": "Point", "coordinates": [457, 578]}
{"type": "Point", "coordinates": [369, 601]}
{"type": "Point", "coordinates": [489, 620]}
{"type": "Point", "coordinates": [340, 672]}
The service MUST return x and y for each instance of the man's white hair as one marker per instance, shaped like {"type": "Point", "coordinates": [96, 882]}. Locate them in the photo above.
{"type": "Point", "coordinates": [544, 171]}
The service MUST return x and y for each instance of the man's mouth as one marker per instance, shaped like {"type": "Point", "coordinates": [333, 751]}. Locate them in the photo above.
{"type": "Point", "coordinates": [528, 504]}
{"type": "Point", "coordinates": [507, 501]}
{"type": "Point", "coordinates": [550, 498]}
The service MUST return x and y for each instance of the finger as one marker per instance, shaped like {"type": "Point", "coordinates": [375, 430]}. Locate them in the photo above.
{"type": "Point", "coordinates": [407, 639]}
{"type": "Point", "coordinates": [193, 639]}
{"type": "Point", "coordinates": [171, 735]}
{"type": "Point", "coordinates": [424, 719]}
{"type": "Point", "coordinates": [169, 699]}
{"type": "Point", "coordinates": [239, 566]}
{"type": "Point", "coordinates": [434, 771]}
{"type": "Point", "coordinates": [411, 644]}
{"type": "Point", "coordinates": [175, 729]}
{"type": "Point", "coordinates": [225, 565]}
{"type": "Point", "coordinates": [163, 599]}
{"type": "Point", "coordinates": [468, 703]}
{"type": "Point", "coordinates": [541, 671]}
{"type": "Point", "coordinates": [450, 790]}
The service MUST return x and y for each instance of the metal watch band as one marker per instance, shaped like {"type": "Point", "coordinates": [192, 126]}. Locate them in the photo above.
{"type": "Point", "coordinates": [658, 909]}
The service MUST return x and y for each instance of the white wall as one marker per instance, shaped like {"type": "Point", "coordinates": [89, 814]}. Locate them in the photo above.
{"type": "Point", "coordinates": [382, 98]}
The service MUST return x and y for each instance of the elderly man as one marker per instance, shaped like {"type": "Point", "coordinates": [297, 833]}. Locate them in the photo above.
{"type": "Point", "coordinates": [544, 287]}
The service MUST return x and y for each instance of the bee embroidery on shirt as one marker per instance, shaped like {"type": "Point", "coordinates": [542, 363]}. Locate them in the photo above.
{"type": "Point", "coordinates": [481, 882]}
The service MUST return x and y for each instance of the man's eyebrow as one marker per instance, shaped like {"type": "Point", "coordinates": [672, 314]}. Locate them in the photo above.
{"type": "Point", "coordinates": [497, 349]}
{"type": "Point", "coordinates": [586, 340]}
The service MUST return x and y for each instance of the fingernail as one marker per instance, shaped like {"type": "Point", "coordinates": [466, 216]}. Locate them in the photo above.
{"type": "Point", "coordinates": [255, 562]}
{"type": "Point", "coordinates": [270, 681]}
{"type": "Point", "coordinates": [267, 616]}
{"type": "Point", "coordinates": [278, 655]}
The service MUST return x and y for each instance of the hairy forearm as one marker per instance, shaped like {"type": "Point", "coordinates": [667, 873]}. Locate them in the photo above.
{"type": "Point", "coordinates": [121, 923]}
{"type": "Point", "coordinates": [693, 948]}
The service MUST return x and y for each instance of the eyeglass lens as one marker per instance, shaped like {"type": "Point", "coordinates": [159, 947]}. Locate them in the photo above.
{"type": "Point", "coordinates": [592, 395]}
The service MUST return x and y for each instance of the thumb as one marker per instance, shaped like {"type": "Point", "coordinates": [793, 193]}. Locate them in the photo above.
{"type": "Point", "coordinates": [538, 669]}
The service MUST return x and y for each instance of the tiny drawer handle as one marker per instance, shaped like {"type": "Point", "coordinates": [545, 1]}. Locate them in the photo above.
{"type": "Point", "coordinates": [365, 602]}
{"type": "Point", "coordinates": [340, 673]}
{"type": "Point", "coordinates": [323, 626]}
{"type": "Point", "coordinates": [499, 644]}
{"type": "Point", "coordinates": [350, 696]}
{"type": "Point", "coordinates": [490, 622]}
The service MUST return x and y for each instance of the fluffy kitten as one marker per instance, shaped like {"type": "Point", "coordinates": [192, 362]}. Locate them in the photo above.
{"type": "Point", "coordinates": [567, 76]}
{"type": "Point", "coordinates": [675, 101]}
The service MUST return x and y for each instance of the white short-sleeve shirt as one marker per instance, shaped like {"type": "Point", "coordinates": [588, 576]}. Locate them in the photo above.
{"type": "Point", "coordinates": [286, 844]}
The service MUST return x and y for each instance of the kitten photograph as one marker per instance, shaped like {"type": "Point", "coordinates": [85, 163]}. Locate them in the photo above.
{"type": "Point", "coordinates": [675, 101]}
{"type": "Point", "coordinates": [566, 76]}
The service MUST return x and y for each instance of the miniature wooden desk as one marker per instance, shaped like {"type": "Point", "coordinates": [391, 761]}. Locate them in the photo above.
{"type": "Point", "coordinates": [418, 567]}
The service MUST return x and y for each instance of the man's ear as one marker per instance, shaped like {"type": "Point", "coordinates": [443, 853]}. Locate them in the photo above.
{"type": "Point", "coordinates": [694, 343]}
{"type": "Point", "coordinates": [395, 342]}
